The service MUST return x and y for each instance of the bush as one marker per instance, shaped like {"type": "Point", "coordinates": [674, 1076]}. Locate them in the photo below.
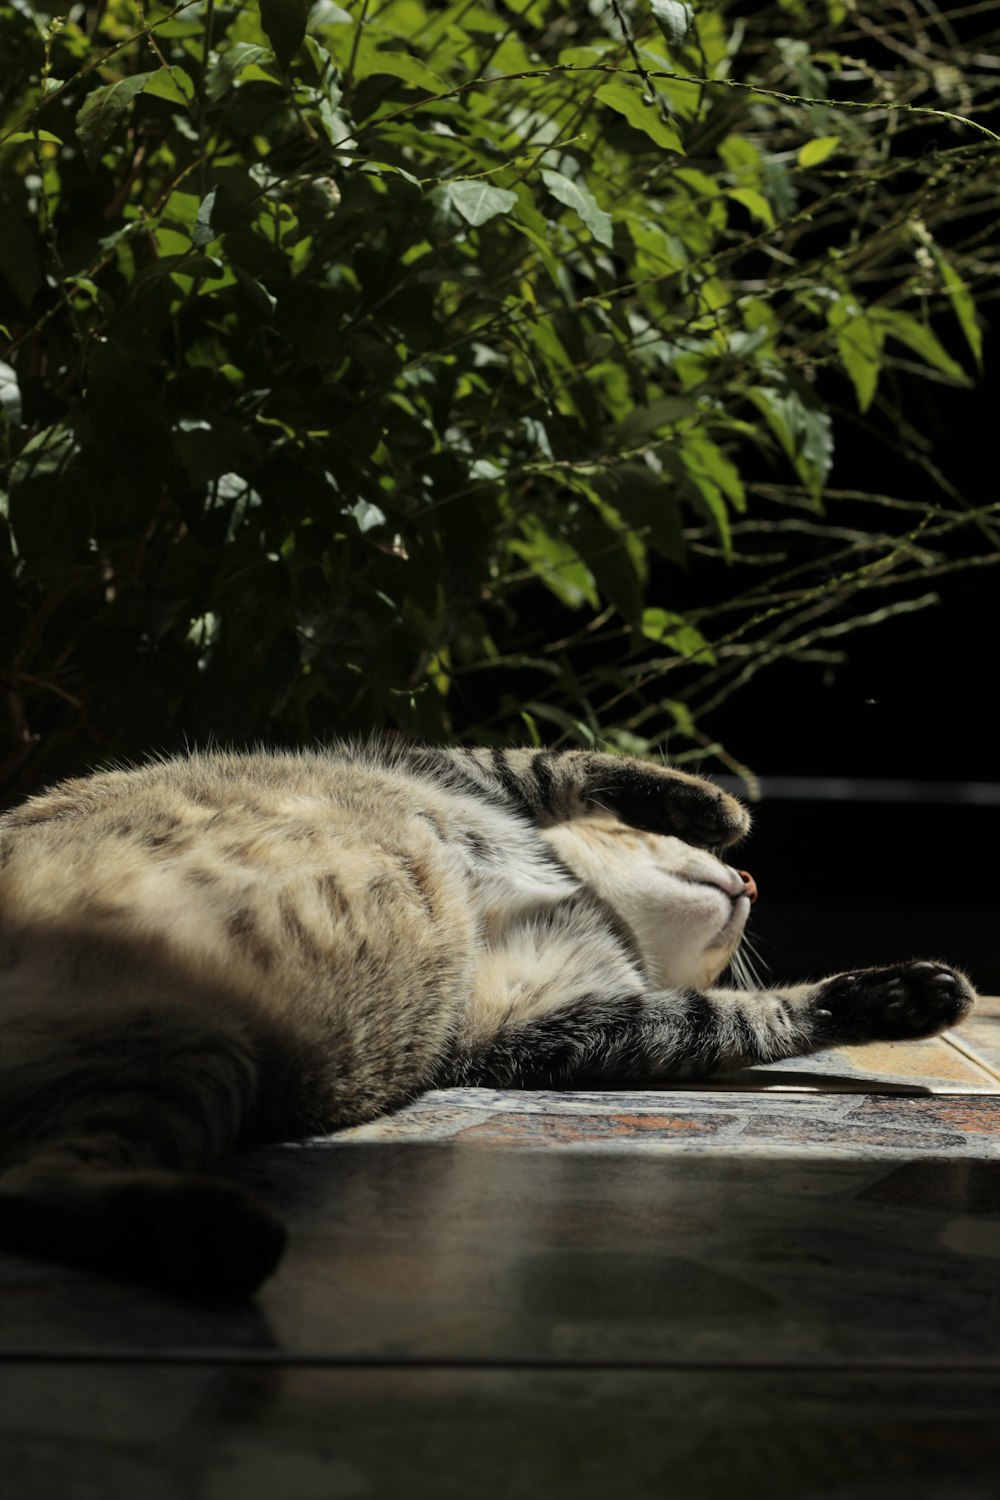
{"type": "Point", "coordinates": [391, 368]}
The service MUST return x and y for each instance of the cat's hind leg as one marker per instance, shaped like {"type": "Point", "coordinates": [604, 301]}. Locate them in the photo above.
{"type": "Point", "coordinates": [108, 1124]}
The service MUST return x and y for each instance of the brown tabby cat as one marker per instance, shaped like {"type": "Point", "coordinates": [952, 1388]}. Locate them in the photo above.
{"type": "Point", "coordinates": [239, 948]}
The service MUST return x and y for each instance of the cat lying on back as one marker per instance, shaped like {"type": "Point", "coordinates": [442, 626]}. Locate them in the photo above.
{"type": "Point", "coordinates": [227, 948]}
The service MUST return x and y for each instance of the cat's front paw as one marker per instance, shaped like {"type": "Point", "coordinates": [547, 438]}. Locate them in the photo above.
{"type": "Point", "coordinates": [661, 799]}
{"type": "Point", "coordinates": [894, 1004]}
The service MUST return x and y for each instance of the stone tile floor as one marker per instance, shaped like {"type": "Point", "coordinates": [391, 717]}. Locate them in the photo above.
{"type": "Point", "coordinates": [785, 1286]}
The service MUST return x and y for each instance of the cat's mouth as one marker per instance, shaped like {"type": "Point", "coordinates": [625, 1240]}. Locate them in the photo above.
{"type": "Point", "coordinates": [732, 929]}
{"type": "Point", "coordinates": [729, 935]}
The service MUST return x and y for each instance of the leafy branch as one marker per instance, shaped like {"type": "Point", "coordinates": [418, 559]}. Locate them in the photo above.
{"type": "Point", "coordinates": [467, 369]}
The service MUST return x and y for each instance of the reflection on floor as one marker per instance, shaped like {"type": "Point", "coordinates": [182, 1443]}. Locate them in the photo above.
{"type": "Point", "coordinates": [786, 1286]}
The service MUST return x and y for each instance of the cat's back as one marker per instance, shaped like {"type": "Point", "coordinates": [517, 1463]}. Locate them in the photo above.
{"type": "Point", "coordinates": [266, 871]}
{"type": "Point", "coordinates": [210, 819]}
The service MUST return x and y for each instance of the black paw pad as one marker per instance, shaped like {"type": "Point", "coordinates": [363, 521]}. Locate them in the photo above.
{"type": "Point", "coordinates": [895, 1004]}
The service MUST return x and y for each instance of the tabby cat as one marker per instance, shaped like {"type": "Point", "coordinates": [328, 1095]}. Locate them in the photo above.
{"type": "Point", "coordinates": [228, 948]}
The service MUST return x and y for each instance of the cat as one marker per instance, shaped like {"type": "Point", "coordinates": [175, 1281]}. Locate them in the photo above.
{"type": "Point", "coordinates": [224, 948]}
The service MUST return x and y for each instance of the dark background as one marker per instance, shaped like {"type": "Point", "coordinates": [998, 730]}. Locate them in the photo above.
{"type": "Point", "coordinates": [900, 859]}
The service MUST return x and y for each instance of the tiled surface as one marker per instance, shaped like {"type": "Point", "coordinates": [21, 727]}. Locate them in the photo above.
{"type": "Point", "coordinates": [942, 1065]}
{"type": "Point", "coordinates": [747, 1291]}
{"type": "Point", "coordinates": [980, 1034]}
{"type": "Point", "coordinates": [432, 1251]}
{"type": "Point", "coordinates": [964, 1061]}
{"type": "Point", "coordinates": [692, 1121]}
{"type": "Point", "coordinates": [481, 1225]}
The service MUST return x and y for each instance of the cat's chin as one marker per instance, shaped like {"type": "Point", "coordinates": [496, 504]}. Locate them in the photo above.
{"type": "Point", "coordinates": [728, 940]}
{"type": "Point", "coordinates": [719, 953]}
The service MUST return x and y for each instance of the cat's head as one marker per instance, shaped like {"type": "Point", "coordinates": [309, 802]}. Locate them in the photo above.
{"type": "Point", "coordinates": [686, 908]}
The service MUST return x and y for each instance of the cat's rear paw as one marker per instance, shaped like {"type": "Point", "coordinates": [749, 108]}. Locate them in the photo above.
{"type": "Point", "coordinates": [894, 1004]}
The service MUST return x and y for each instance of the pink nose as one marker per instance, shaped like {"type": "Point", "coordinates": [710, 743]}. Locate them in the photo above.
{"type": "Point", "coordinates": [749, 884]}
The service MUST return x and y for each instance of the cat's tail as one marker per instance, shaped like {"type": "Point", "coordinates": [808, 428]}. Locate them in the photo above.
{"type": "Point", "coordinates": [108, 1122]}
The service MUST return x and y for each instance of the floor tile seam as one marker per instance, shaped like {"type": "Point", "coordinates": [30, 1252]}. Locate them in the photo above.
{"type": "Point", "coordinates": [127, 1360]}
{"type": "Point", "coordinates": [966, 1050]}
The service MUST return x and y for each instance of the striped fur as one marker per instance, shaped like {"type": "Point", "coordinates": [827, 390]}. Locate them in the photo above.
{"type": "Point", "coordinates": [228, 948]}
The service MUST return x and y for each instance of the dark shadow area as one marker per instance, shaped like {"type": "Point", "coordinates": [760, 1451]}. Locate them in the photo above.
{"type": "Point", "coordinates": [849, 883]}
{"type": "Point", "coordinates": [235, 1433]}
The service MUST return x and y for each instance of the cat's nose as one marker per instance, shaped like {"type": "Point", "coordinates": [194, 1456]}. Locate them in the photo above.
{"type": "Point", "coordinates": [749, 884]}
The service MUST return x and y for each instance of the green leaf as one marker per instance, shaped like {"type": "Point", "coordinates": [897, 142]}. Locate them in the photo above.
{"type": "Point", "coordinates": [682, 717]}
{"type": "Point", "coordinates": [556, 564]}
{"type": "Point", "coordinates": [755, 204]}
{"type": "Point", "coordinates": [648, 503]}
{"type": "Point", "coordinates": [20, 136]}
{"type": "Point", "coordinates": [529, 723]}
{"type": "Point", "coordinates": [628, 98]}
{"type": "Point", "coordinates": [226, 206]}
{"type": "Point", "coordinates": [859, 343]}
{"type": "Point", "coordinates": [326, 13]}
{"type": "Point", "coordinates": [668, 629]}
{"type": "Point", "coordinates": [918, 337]}
{"type": "Point", "coordinates": [476, 201]}
{"type": "Point", "coordinates": [203, 233]}
{"type": "Point", "coordinates": [614, 555]}
{"type": "Point", "coordinates": [367, 515]}
{"type": "Point", "coordinates": [817, 150]}
{"type": "Point", "coordinates": [101, 112]}
{"type": "Point", "coordinates": [229, 65]}
{"type": "Point", "coordinates": [582, 201]}
{"type": "Point", "coordinates": [708, 496]}
{"type": "Point", "coordinates": [961, 301]}
{"type": "Point", "coordinates": [383, 168]}
{"type": "Point", "coordinates": [45, 508]}
{"type": "Point", "coordinates": [284, 23]}
{"type": "Point", "coordinates": [172, 84]}
{"type": "Point", "coordinates": [369, 61]}
{"type": "Point", "coordinates": [705, 458]}
{"type": "Point", "coordinates": [44, 455]}
{"type": "Point", "coordinates": [649, 419]}
{"type": "Point", "coordinates": [259, 295]}
{"type": "Point", "coordinates": [801, 426]}
{"type": "Point", "coordinates": [182, 264]}
{"type": "Point", "coordinates": [674, 20]}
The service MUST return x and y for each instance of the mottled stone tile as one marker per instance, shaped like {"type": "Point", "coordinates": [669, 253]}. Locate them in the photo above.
{"type": "Point", "coordinates": [694, 1119]}
{"type": "Point", "coordinates": [979, 1035]}
{"type": "Point", "coordinates": [945, 1064]}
